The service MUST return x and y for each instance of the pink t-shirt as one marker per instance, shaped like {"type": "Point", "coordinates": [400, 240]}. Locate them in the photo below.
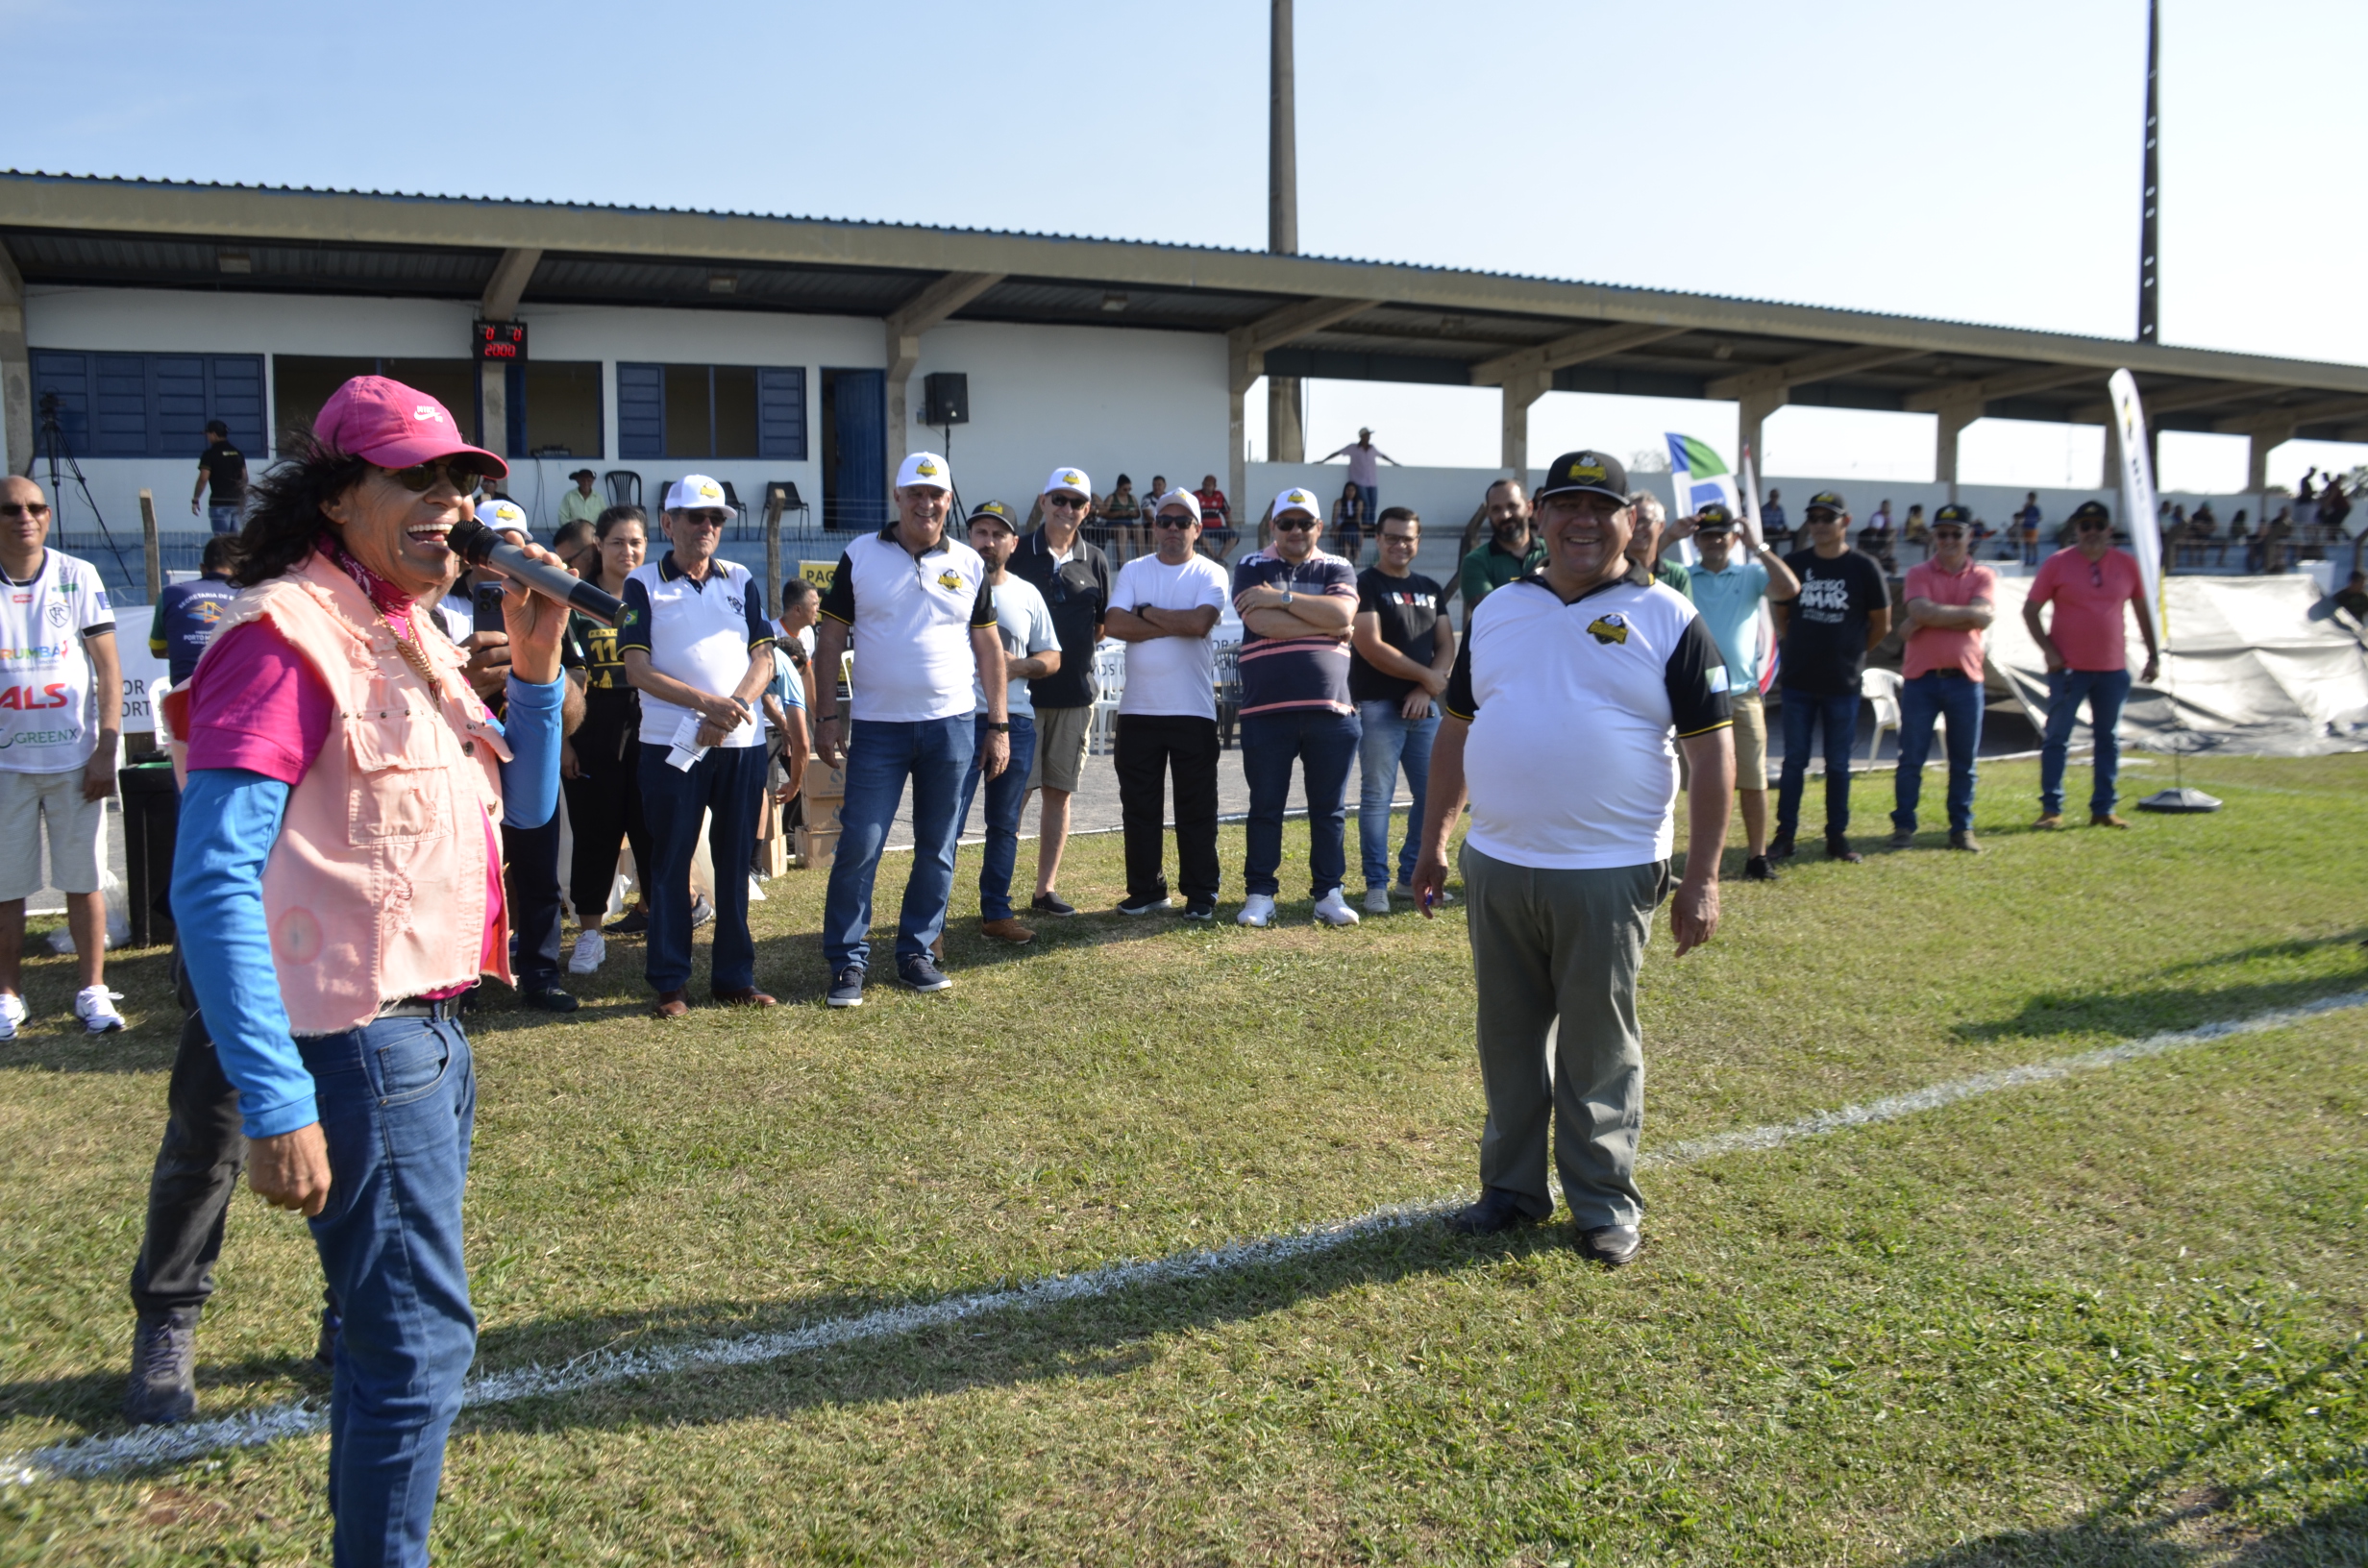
{"type": "Point", "coordinates": [1947, 648]}
{"type": "Point", "coordinates": [255, 703]}
{"type": "Point", "coordinates": [2086, 627]}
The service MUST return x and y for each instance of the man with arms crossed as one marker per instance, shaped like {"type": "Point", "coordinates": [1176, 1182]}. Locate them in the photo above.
{"type": "Point", "coordinates": [1031, 650]}
{"type": "Point", "coordinates": [1402, 646]}
{"type": "Point", "coordinates": [2087, 656]}
{"type": "Point", "coordinates": [1073, 578]}
{"type": "Point", "coordinates": [1841, 612]}
{"type": "Point", "coordinates": [922, 616]}
{"type": "Point", "coordinates": [1728, 587]}
{"type": "Point", "coordinates": [1163, 609]}
{"type": "Point", "coordinates": [1949, 601]}
{"type": "Point", "coordinates": [1565, 712]}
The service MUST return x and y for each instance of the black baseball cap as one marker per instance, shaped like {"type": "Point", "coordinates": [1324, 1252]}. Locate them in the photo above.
{"type": "Point", "coordinates": [2089, 511]}
{"type": "Point", "coordinates": [1953, 513]}
{"type": "Point", "coordinates": [1828, 500]}
{"type": "Point", "coordinates": [995, 511]}
{"type": "Point", "coordinates": [1714, 519]}
{"type": "Point", "coordinates": [1593, 472]}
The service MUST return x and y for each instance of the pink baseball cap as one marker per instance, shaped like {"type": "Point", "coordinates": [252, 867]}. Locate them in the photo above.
{"type": "Point", "coordinates": [394, 426]}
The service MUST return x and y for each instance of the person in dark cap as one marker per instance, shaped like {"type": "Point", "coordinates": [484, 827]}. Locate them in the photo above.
{"type": "Point", "coordinates": [1565, 712]}
{"type": "Point", "coordinates": [580, 504]}
{"type": "Point", "coordinates": [1842, 611]}
{"type": "Point", "coordinates": [1949, 607]}
{"type": "Point", "coordinates": [2087, 648]}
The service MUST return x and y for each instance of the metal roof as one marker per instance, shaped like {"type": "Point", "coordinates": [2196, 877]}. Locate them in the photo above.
{"type": "Point", "coordinates": [1415, 323]}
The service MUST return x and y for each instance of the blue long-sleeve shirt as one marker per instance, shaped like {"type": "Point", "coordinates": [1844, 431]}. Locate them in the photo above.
{"type": "Point", "coordinates": [230, 820]}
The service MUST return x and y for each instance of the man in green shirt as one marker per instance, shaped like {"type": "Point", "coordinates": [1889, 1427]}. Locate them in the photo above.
{"type": "Point", "coordinates": [580, 504]}
{"type": "Point", "coordinates": [1651, 537]}
{"type": "Point", "coordinates": [1510, 550]}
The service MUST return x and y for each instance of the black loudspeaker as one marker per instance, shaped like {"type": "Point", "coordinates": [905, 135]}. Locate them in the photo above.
{"type": "Point", "coordinates": [945, 398]}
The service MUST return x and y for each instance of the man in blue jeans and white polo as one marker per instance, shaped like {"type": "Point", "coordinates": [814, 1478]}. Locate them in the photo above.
{"type": "Point", "coordinates": [1841, 612]}
{"type": "Point", "coordinates": [1296, 604]}
{"type": "Point", "coordinates": [1401, 648]}
{"type": "Point", "coordinates": [1031, 651]}
{"type": "Point", "coordinates": [917, 606]}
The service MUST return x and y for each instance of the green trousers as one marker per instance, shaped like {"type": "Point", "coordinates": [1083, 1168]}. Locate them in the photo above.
{"type": "Point", "coordinates": [1554, 956]}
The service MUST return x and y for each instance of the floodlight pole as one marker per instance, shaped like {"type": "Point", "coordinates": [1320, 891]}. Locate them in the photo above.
{"type": "Point", "coordinates": [2149, 233]}
{"type": "Point", "coordinates": [1286, 437]}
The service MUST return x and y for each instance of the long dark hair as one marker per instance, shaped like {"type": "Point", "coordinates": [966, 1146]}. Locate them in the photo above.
{"type": "Point", "coordinates": [287, 516]}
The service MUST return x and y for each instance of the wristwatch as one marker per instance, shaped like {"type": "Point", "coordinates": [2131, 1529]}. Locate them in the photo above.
{"type": "Point", "coordinates": [999, 729]}
{"type": "Point", "coordinates": [1285, 593]}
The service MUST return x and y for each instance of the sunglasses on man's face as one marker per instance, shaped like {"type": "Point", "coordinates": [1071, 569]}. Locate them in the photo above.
{"type": "Point", "coordinates": [2094, 526]}
{"type": "Point", "coordinates": [24, 508]}
{"type": "Point", "coordinates": [1948, 533]}
{"type": "Point", "coordinates": [1177, 522]}
{"type": "Point", "coordinates": [1067, 503]}
{"type": "Point", "coordinates": [1294, 525]}
{"type": "Point", "coordinates": [423, 478]}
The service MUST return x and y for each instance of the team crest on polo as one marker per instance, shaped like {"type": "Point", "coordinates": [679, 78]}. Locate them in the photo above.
{"type": "Point", "coordinates": [950, 581]}
{"type": "Point", "coordinates": [1609, 628]}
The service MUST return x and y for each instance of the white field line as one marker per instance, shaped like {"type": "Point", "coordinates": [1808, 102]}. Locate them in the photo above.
{"type": "Point", "coordinates": [149, 1446]}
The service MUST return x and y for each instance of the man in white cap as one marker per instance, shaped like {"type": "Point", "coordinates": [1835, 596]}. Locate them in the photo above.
{"type": "Point", "coordinates": [1073, 576]}
{"type": "Point", "coordinates": [926, 642]}
{"type": "Point", "coordinates": [699, 649]}
{"type": "Point", "coordinates": [1296, 604]}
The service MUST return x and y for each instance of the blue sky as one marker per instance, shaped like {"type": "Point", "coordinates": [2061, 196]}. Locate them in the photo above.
{"type": "Point", "coordinates": [1972, 162]}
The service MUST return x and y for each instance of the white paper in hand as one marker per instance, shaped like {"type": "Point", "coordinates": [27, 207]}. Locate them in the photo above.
{"type": "Point", "coordinates": [686, 748]}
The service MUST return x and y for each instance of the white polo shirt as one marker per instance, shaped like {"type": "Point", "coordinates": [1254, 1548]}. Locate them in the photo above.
{"type": "Point", "coordinates": [700, 631]}
{"type": "Point", "coordinates": [911, 617]}
{"type": "Point", "coordinates": [1575, 710]}
{"type": "Point", "coordinates": [48, 714]}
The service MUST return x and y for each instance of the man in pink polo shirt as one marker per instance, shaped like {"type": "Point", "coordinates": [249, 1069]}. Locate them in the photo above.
{"type": "Point", "coordinates": [2087, 656]}
{"type": "Point", "coordinates": [1949, 601]}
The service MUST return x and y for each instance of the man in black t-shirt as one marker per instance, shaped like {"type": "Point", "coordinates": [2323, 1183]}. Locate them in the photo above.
{"type": "Point", "coordinates": [1843, 610]}
{"type": "Point", "coordinates": [1074, 579]}
{"type": "Point", "coordinates": [222, 467]}
{"type": "Point", "coordinates": [1402, 646]}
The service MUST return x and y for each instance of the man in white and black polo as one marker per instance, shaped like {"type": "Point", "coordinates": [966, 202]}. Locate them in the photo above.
{"type": "Point", "coordinates": [920, 616]}
{"type": "Point", "coordinates": [1565, 712]}
{"type": "Point", "coordinates": [697, 645]}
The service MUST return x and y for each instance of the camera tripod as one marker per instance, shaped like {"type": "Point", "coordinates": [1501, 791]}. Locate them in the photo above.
{"type": "Point", "coordinates": [49, 443]}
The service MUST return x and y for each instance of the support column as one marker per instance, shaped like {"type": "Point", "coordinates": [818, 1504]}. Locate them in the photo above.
{"type": "Point", "coordinates": [503, 291]}
{"type": "Point", "coordinates": [1954, 417]}
{"type": "Point", "coordinates": [493, 401]}
{"type": "Point", "coordinates": [1245, 364]}
{"type": "Point", "coordinates": [2258, 444]}
{"type": "Point", "coordinates": [2111, 478]}
{"type": "Point", "coordinates": [904, 354]}
{"type": "Point", "coordinates": [1286, 439]}
{"type": "Point", "coordinates": [1751, 413]}
{"type": "Point", "coordinates": [15, 367]}
{"type": "Point", "coordinates": [1519, 392]}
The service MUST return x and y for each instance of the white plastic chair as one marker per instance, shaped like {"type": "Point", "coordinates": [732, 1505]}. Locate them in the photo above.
{"type": "Point", "coordinates": [1882, 689]}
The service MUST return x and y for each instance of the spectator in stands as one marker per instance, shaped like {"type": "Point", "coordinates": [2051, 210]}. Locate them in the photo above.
{"type": "Point", "coordinates": [1218, 533]}
{"type": "Point", "coordinates": [2275, 539]}
{"type": "Point", "coordinates": [699, 649]}
{"type": "Point", "coordinates": [2306, 504]}
{"type": "Point", "coordinates": [1772, 519]}
{"type": "Point", "coordinates": [1348, 524]}
{"type": "Point", "coordinates": [221, 467]}
{"type": "Point", "coordinates": [2028, 520]}
{"type": "Point", "coordinates": [2088, 657]}
{"type": "Point", "coordinates": [600, 765]}
{"type": "Point", "coordinates": [1297, 603]}
{"type": "Point", "coordinates": [188, 612]}
{"type": "Point", "coordinates": [1121, 520]}
{"type": "Point", "coordinates": [2334, 509]}
{"type": "Point", "coordinates": [579, 504]}
{"type": "Point", "coordinates": [1914, 530]}
{"type": "Point", "coordinates": [1879, 539]}
{"type": "Point", "coordinates": [1948, 600]}
{"type": "Point", "coordinates": [1031, 651]}
{"type": "Point", "coordinates": [918, 608]}
{"type": "Point", "coordinates": [1365, 460]}
{"type": "Point", "coordinates": [2352, 599]}
{"type": "Point", "coordinates": [1073, 576]}
{"type": "Point", "coordinates": [1510, 551]}
{"type": "Point", "coordinates": [1841, 612]}
{"type": "Point", "coordinates": [1402, 646]}
{"type": "Point", "coordinates": [1650, 538]}
{"type": "Point", "coordinates": [1728, 587]}
{"type": "Point", "coordinates": [1164, 607]}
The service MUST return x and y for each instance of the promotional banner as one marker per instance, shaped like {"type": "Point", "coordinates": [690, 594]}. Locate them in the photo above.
{"type": "Point", "coordinates": [1766, 626]}
{"type": "Point", "coordinates": [2140, 517]}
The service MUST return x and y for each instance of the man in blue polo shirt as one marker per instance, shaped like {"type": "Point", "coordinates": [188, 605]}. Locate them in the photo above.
{"type": "Point", "coordinates": [1728, 588]}
{"type": "Point", "coordinates": [187, 613]}
{"type": "Point", "coordinates": [1297, 605]}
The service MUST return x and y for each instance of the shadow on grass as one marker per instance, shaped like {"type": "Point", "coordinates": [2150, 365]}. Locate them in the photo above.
{"type": "Point", "coordinates": [2143, 1010]}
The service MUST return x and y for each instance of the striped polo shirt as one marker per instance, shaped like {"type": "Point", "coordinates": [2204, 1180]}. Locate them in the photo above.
{"type": "Point", "coordinates": [1283, 675]}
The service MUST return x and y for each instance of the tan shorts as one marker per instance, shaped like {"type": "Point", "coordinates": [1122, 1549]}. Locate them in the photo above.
{"type": "Point", "coordinates": [27, 801]}
{"type": "Point", "coordinates": [1061, 736]}
{"type": "Point", "coordinates": [1750, 742]}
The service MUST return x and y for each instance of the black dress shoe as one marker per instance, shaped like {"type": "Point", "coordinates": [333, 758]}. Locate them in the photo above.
{"type": "Point", "coordinates": [1498, 1211]}
{"type": "Point", "coordinates": [1614, 1246]}
{"type": "Point", "coordinates": [549, 999]}
{"type": "Point", "coordinates": [1758, 869]}
{"type": "Point", "coordinates": [1782, 848]}
{"type": "Point", "coordinates": [1838, 848]}
{"type": "Point", "coordinates": [1052, 904]}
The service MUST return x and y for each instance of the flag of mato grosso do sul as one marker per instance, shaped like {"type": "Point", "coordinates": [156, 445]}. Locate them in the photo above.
{"type": "Point", "coordinates": [1697, 477]}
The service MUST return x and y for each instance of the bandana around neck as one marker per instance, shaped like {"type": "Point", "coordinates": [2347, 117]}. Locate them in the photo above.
{"type": "Point", "coordinates": [389, 600]}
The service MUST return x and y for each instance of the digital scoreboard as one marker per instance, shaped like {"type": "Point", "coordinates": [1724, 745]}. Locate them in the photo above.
{"type": "Point", "coordinates": [502, 341]}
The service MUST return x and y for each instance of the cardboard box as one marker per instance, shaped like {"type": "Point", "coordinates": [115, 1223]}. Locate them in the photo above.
{"type": "Point", "coordinates": [823, 783]}
{"type": "Point", "coordinates": [817, 848]}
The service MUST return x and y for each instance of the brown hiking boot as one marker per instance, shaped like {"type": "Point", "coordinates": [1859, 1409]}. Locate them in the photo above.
{"type": "Point", "coordinates": [2105, 818]}
{"type": "Point", "coordinates": [2048, 822]}
{"type": "Point", "coordinates": [1006, 929]}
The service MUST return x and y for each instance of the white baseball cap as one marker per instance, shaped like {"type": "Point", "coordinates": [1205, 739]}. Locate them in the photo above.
{"type": "Point", "coordinates": [925, 468]}
{"type": "Point", "coordinates": [1178, 497]}
{"type": "Point", "coordinates": [1298, 498]}
{"type": "Point", "coordinates": [503, 517]}
{"type": "Point", "coordinates": [696, 493]}
{"type": "Point", "coordinates": [1070, 478]}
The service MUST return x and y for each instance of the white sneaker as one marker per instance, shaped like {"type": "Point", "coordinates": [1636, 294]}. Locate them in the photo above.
{"type": "Point", "coordinates": [1258, 909]}
{"type": "Point", "coordinates": [1378, 900]}
{"type": "Point", "coordinates": [591, 947]}
{"type": "Point", "coordinates": [95, 1006]}
{"type": "Point", "coordinates": [12, 1010]}
{"type": "Point", "coordinates": [1333, 910]}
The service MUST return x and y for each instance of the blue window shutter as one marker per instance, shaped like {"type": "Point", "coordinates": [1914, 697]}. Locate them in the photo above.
{"type": "Point", "coordinates": [68, 375]}
{"type": "Point", "coordinates": [177, 404]}
{"type": "Point", "coordinates": [781, 412]}
{"type": "Point", "coordinates": [120, 406]}
{"type": "Point", "coordinates": [235, 395]}
{"type": "Point", "coordinates": [641, 410]}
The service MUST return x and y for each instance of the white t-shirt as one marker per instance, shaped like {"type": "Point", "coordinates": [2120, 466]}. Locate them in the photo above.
{"type": "Point", "coordinates": [1026, 626]}
{"type": "Point", "coordinates": [1171, 675]}
{"type": "Point", "coordinates": [48, 716]}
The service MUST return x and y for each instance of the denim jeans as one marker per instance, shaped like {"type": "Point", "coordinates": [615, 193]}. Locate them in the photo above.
{"type": "Point", "coordinates": [1948, 694]}
{"type": "Point", "coordinates": [1325, 744]}
{"type": "Point", "coordinates": [1838, 716]}
{"type": "Point", "coordinates": [1007, 794]}
{"type": "Point", "coordinates": [880, 756]}
{"type": "Point", "coordinates": [1390, 741]}
{"type": "Point", "coordinates": [227, 519]}
{"type": "Point", "coordinates": [2104, 691]}
{"type": "Point", "coordinates": [725, 785]}
{"type": "Point", "coordinates": [398, 1101]}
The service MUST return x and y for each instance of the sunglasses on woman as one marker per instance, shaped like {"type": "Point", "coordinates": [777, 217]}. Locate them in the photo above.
{"type": "Point", "coordinates": [423, 478]}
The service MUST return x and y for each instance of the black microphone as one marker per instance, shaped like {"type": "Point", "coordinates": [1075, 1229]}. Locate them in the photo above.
{"type": "Point", "coordinates": [480, 546]}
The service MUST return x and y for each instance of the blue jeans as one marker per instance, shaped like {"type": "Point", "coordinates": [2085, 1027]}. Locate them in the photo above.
{"type": "Point", "coordinates": [1391, 740]}
{"type": "Point", "coordinates": [1007, 794]}
{"type": "Point", "coordinates": [227, 519]}
{"type": "Point", "coordinates": [2104, 691]}
{"type": "Point", "coordinates": [1838, 716]}
{"type": "Point", "coordinates": [1950, 695]}
{"type": "Point", "coordinates": [397, 1100]}
{"type": "Point", "coordinates": [1326, 744]}
{"type": "Point", "coordinates": [727, 784]}
{"type": "Point", "coordinates": [933, 753]}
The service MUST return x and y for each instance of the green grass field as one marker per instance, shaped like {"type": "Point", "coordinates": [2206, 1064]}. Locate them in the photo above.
{"type": "Point", "coordinates": [2114, 1318]}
